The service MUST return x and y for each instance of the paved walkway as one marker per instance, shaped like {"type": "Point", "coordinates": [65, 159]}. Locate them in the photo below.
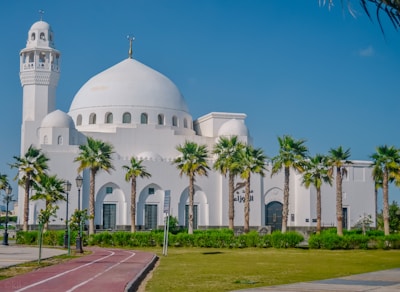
{"type": "Point", "coordinates": [381, 281]}
{"type": "Point", "coordinates": [103, 270]}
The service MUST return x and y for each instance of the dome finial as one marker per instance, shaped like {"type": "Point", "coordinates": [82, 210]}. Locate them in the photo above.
{"type": "Point", "coordinates": [130, 38]}
{"type": "Point", "coordinates": [41, 12]}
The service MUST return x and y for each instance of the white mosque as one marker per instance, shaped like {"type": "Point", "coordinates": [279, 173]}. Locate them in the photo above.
{"type": "Point", "coordinates": [143, 114]}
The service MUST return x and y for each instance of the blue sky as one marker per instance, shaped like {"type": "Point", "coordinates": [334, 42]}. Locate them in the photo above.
{"type": "Point", "coordinates": [303, 70]}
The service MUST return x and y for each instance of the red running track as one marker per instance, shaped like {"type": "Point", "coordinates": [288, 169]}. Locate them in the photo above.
{"type": "Point", "coordinates": [102, 270]}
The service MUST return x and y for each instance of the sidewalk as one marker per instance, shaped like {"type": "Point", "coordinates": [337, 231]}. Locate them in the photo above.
{"type": "Point", "coordinates": [381, 281]}
{"type": "Point", "coordinates": [11, 255]}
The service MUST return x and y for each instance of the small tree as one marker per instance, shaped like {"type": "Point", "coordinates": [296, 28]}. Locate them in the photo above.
{"type": "Point", "coordinates": [94, 155]}
{"type": "Point", "coordinates": [192, 161]}
{"type": "Point", "coordinates": [292, 154]}
{"type": "Point", "coordinates": [30, 167]}
{"type": "Point", "coordinates": [134, 170]}
{"type": "Point", "coordinates": [338, 160]}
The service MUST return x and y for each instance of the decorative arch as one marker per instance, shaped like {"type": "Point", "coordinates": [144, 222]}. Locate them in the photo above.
{"type": "Point", "coordinates": [111, 207]}
{"type": "Point", "coordinates": [200, 200]}
{"type": "Point", "coordinates": [272, 211]}
{"type": "Point", "coordinates": [149, 211]}
{"type": "Point", "coordinates": [79, 120]}
{"type": "Point", "coordinates": [59, 140]}
{"type": "Point", "coordinates": [144, 118]}
{"type": "Point", "coordinates": [174, 121]}
{"type": "Point", "coordinates": [92, 119]}
{"type": "Point", "coordinates": [108, 118]}
{"type": "Point", "coordinates": [126, 118]}
{"type": "Point", "coordinates": [160, 119]}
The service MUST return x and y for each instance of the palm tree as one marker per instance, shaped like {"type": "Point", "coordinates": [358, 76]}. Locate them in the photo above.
{"type": "Point", "coordinates": [51, 190]}
{"type": "Point", "coordinates": [252, 161]}
{"type": "Point", "coordinates": [133, 170]}
{"type": "Point", "coordinates": [95, 155]}
{"type": "Point", "coordinates": [292, 154]}
{"type": "Point", "coordinates": [316, 173]}
{"type": "Point", "coordinates": [337, 160]}
{"type": "Point", "coordinates": [3, 181]}
{"type": "Point", "coordinates": [390, 8]}
{"type": "Point", "coordinates": [386, 168]}
{"type": "Point", "coordinates": [30, 167]}
{"type": "Point", "coordinates": [192, 162]}
{"type": "Point", "coordinates": [228, 163]}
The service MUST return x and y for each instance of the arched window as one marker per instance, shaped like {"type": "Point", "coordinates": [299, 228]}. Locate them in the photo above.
{"type": "Point", "coordinates": [143, 118]}
{"type": "Point", "coordinates": [45, 140]}
{"type": "Point", "coordinates": [60, 140]}
{"type": "Point", "coordinates": [185, 123]}
{"type": "Point", "coordinates": [42, 36]}
{"type": "Point", "coordinates": [161, 119]}
{"type": "Point", "coordinates": [92, 119]}
{"type": "Point", "coordinates": [126, 118]}
{"type": "Point", "coordinates": [174, 121]}
{"type": "Point", "coordinates": [79, 120]}
{"type": "Point", "coordinates": [109, 118]}
{"type": "Point", "coordinates": [31, 57]}
{"type": "Point", "coordinates": [33, 36]}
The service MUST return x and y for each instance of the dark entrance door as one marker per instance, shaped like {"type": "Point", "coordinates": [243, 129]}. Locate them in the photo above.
{"type": "Point", "coordinates": [109, 216]}
{"type": "Point", "coordinates": [345, 217]}
{"type": "Point", "coordinates": [273, 215]}
{"type": "Point", "coordinates": [150, 217]}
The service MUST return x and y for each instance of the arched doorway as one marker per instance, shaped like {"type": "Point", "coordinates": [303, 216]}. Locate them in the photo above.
{"type": "Point", "coordinates": [273, 215]}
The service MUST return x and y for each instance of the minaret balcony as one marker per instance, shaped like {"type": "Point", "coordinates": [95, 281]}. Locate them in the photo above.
{"type": "Point", "coordinates": [41, 66]}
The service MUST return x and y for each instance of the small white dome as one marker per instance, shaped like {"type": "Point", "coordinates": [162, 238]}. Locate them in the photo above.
{"type": "Point", "coordinates": [57, 119]}
{"type": "Point", "coordinates": [40, 25]}
{"type": "Point", "coordinates": [233, 127]}
{"type": "Point", "coordinates": [148, 155]}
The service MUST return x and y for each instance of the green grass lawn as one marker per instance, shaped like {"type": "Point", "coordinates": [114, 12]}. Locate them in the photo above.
{"type": "Point", "coordinates": [200, 269]}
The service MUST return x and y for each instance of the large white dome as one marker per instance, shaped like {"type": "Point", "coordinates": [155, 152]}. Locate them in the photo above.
{"type": "Point", "coordinates": [129, 84]}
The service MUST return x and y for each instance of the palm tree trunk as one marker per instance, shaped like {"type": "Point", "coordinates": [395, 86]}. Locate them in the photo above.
{"type": "Point", "coordinates": [285, 208]}
{"type": "Point", "coordinates": [385, 187]}
{"type": "Point", "coordinates": [46, 224]}
{"type": "Point", "coordinates": [133, 204]}
{"type": "Point", "coordinates": [339, 205]}
{"type": "Point", "coordinates": [246, 227]}
{"type": "Point", "coordinates": [231, 201]}
{"type": "Point", "coordinates": [318, 210]}
{"type": "Point", "coordinates": [91, 201]}
{"type": "Point", "coordinates": [26, 204]}
{"type": "Point", "coordinates": [376, 206]}
{"type": "Point", "coordinates": [191, 195]}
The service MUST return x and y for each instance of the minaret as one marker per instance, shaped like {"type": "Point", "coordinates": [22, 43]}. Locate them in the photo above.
{"type": "Point", "coordinates": [39, 74]}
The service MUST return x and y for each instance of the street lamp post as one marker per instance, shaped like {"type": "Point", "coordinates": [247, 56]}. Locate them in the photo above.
{"type": "Point", "coordinates": [67, 189]}
{"type": "Point", "coordinates": [7, 200]}
{"type": "Point", "coordinates": [79, 181]}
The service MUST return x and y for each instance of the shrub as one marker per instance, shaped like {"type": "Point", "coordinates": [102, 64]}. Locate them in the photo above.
{"type": "Point", "coordinates": [285, 240]}
{"type": "Point", "coordinates": [325, 240]}
{"type": "Point", "coordinates": [27, 237]}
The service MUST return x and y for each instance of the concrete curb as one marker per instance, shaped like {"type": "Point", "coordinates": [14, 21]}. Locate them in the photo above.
{"type": "Point", "coordinates": [133, 285]}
